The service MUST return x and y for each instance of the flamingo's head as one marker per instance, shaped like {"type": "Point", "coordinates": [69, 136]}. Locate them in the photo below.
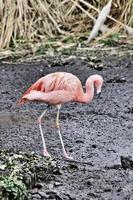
{"type": "Point", "coordinates": [98, 82]}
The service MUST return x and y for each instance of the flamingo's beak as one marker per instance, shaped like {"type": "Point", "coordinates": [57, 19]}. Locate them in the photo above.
{"type": "Point", "coordinates": [98, 94]}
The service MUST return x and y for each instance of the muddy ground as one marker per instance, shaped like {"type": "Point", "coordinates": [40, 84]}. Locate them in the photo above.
{"type": "Point", "coordinates": [95, 134]}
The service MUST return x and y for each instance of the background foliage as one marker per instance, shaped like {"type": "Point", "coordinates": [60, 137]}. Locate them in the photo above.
{"type": "Point", "coordinates": [28, 22]}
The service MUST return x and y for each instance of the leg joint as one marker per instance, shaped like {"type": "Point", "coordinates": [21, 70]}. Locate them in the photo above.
{"type": "Point", "coordinates": [58, 126]}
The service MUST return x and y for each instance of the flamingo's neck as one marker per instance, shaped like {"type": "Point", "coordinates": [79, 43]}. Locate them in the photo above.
{"type": "Point", "coordinates": [89, 94]}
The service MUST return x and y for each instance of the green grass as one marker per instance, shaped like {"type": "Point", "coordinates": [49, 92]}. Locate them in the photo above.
{"type": "Point", "coordinates": [13, 188]}
{"type": "Point", "coordinates": [111, 41]}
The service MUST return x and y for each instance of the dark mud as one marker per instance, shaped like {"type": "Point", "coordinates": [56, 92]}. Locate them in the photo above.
{"type": "Point", "coordinates": [96, 135]}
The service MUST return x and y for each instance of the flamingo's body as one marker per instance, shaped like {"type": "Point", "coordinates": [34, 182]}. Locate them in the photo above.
{"type": "Point", "coordinates": [59, 88]}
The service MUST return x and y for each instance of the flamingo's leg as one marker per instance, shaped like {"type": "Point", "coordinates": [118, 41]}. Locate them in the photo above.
{"type": "Point", "coordinates": [45, 152]}
{"type": "Point", "coordinates": [60, 136]}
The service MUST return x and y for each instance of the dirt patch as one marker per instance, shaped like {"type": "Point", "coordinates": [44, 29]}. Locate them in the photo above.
{"type": "Point", "coordinates": [95, 134]}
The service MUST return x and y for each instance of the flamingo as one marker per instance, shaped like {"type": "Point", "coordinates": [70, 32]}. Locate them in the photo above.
{"type": "Point", "coordinates": [59, 88]}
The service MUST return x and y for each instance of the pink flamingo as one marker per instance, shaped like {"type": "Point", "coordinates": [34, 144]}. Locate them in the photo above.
{"type": "Point", "coordinates": [59, 88]}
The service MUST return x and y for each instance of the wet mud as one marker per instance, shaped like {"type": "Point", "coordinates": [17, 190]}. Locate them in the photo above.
{"type": "Point", "coordinates": [96, 135]}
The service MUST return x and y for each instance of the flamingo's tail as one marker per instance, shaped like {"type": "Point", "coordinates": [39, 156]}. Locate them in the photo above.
{"type": "Point", "coordinates": [38, 86]}
{"type": "Point", "coordinates": [23, 100]}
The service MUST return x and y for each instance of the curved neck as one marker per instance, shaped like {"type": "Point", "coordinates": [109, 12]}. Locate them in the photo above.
{"type": "Point", "coordinates": [89, 94]}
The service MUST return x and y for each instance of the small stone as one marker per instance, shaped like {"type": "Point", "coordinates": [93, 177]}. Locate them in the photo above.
{"type": "Point", "coordinates": [34, 191]}
{"type": "Point", "coordinates": [57, 184]}
{"type": "Point", "coordinates": [107, 190]}
{"type": "Point", "coordinates": [43, 194]}
{"type": "Point", "coordinates": [94, 146]}
{"type": "Point", "coordinates": [51, 186]}
{"type": "Point", "coordinates": [123, 79]}
{"type": "Point", "coordinates": [79, 141]}
{"type": "Point", "coordinates": [88, 183]}
{"type": "Point", "coordinates": [36, 196]}
{"type": "Point", "coordinates": [41, 70]}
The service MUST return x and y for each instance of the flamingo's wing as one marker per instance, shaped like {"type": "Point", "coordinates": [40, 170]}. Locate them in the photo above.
{"type": "Point", "coordinates": [52, 98]}
{"type": "Point", "coordinates": [59, 83]}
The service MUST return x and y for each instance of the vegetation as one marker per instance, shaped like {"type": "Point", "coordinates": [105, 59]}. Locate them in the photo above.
{"type": "Point", "coordinates": [13, 188]}
{"type": "Point", "coordinates": [20, 172]}
{"type": "Point", "coordinates": [111, 41]}
{"type": "Point", "coordinates": [29, 23]}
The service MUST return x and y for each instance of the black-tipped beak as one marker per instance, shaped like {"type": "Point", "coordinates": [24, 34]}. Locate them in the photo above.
{"type": "Point", "coordinates": [98, 95]}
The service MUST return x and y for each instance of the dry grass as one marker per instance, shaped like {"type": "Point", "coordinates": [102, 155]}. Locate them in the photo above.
{"type": "Point", "coordinates": [27, 22]}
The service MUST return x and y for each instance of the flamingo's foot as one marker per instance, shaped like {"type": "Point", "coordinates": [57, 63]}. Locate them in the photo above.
{"type": "Point", "coordinates": [68, 157]}
{"type": "Point", "coordinates": [46, 154]}
{"type": "Point", "coordinates": [39, 120]}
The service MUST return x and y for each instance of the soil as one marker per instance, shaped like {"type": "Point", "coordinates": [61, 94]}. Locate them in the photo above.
{"type": "Point", "coordinates": [96, 135]}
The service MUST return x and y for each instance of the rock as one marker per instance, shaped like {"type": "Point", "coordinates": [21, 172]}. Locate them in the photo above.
{"type": "Point", "coordinates": [127, 162]}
